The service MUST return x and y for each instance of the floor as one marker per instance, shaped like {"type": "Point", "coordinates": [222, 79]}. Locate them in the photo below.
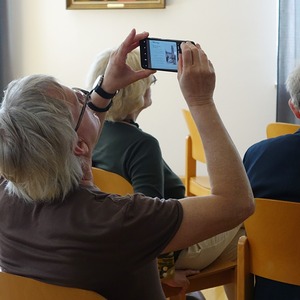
{"type": "Point", "coordinates": [216, 293]}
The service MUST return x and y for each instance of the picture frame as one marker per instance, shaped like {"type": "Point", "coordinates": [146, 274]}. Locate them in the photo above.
{"type": "Point", "coordinates": [114, 4]}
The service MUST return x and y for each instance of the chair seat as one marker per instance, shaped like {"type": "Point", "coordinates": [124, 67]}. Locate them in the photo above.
{"type": "Point", "coordinates": [200, 185]}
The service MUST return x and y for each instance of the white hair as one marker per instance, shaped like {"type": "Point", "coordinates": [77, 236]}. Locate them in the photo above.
{"type": "Point", "coordinates": [293, 86]}
{"type": "Point", "coordinates": [37, 138]}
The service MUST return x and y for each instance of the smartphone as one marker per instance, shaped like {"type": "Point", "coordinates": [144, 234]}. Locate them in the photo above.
{"type": "Point", "coordinates": [160, 54]}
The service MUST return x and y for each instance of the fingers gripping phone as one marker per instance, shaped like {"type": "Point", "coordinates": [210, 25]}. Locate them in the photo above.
{"type": "Point", "coordinates": [160, 54]}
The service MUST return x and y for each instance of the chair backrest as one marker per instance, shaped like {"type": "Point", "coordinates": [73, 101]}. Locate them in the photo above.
{"type": "Point", "coordinates": [111, 182]}
{"type": "Point", "coordinates": [279, 128]}
{"type": "Point", "coordinates": [195, 158]}
{"type": "Point", "coordinates": [272, 246]}
{"type": "Point", "coordinates": [197, 146]}
{"type": "Point", "coordinates": [13, 287]}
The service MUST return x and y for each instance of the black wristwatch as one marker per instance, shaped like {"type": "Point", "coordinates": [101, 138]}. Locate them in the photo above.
{"type": "Point", "coordinates": [99, 90]}
{"type": "Point", "coordinates": [99, 109]}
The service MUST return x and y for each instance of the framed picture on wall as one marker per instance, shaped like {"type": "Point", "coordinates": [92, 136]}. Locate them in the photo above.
{"type": "Point", "coordinates": [114, 4]}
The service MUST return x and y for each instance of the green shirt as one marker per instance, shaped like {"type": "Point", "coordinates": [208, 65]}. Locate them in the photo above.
{"type": "Point", "coordinates": [135, 155]}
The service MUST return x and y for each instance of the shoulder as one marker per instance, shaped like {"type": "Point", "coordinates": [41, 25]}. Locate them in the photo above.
{"type": "Point", "coordinates": [149, 203]}
{"type": "Point", "coordinates": [92, 194]}
{"type": "Point", "coordinates": [284, 142]}
{"type": "Point", "coordinates": [145, 212]}
{"type": "Point", "coordinates": [255, 147]}
{"type": "Point", "coordinates": [272, 150]}
{"type": "Point", "coordinates": [136, 206]}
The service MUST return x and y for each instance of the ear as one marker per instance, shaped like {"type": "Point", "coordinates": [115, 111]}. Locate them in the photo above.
{"type": "Point", "coordinates": [81, 148]}
{"type": "Point", "coordinates": [294, 109]}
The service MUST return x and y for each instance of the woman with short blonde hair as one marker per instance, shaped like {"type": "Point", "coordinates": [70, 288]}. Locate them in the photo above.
{"type": "Point", "coordinates": [129, 99]}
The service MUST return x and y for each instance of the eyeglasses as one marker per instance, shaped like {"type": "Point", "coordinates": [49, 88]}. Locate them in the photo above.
{"type": "Point", "coordinates": [83, 97]}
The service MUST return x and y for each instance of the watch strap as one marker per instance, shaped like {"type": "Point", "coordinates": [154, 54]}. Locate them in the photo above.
{"type": "Point", "coordinates": [100, 91]}
{"type": "Point", "coordinates": [99, 109]}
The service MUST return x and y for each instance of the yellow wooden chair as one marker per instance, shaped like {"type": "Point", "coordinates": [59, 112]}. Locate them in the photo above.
{"type": "Point", "coordinates": [195, 184]}
{"type": "Point", "coordinates": [14, 287]}
{"type": "Point", "coordinates": [216, 274]}
{"type": "Point", "coordinates": [272, 246]}
{"type": "Point", "coordinates": [279, 128]}
{"type": "Point", "coordinates": [109, 182]}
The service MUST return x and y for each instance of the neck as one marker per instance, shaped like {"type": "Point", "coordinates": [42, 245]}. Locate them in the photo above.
{"type": "Point", "coordinates": [87, 177]}
{"type": "Point", "coordinates": [132, 122]}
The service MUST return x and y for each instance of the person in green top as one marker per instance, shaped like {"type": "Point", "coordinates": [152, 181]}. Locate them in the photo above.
{"type": "Point", "coordinates": [125, 149]}
{"type": "Point", "coordinates": [140, 160]}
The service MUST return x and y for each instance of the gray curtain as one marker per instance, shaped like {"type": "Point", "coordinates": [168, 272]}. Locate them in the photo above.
{"type": "Point", "coordinates": [288, 54]}
{"type": "Point", "coordinates": [5, 72]}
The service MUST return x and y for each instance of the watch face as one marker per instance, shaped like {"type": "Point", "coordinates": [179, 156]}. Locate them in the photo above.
{"type": "Point", "coordinates": [97, 81]}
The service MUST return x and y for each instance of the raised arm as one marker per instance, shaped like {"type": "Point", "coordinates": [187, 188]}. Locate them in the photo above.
{"type": "Point", "coordinates": [231, 199]}
{"type": "Point", "coordinates": [118, 74]}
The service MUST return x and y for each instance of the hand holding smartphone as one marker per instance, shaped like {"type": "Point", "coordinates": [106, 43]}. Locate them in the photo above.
{"type": "Point", "coordinates": [160, 54]}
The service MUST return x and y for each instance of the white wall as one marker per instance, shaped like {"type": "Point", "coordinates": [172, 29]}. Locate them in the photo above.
{"type": "Point", "coordinates": [239, 36]}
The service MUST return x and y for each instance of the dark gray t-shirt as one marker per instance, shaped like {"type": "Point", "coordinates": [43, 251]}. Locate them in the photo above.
{"type": "Point", "coordinates": [91, 240]}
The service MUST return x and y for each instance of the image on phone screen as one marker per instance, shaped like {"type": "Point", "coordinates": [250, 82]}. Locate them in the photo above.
{"type": "Point", "coordinates": [159, 54]}
{"type": "Point", "coordinates": [163, 54]}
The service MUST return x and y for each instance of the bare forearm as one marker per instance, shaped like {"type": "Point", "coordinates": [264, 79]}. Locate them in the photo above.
{"type": "Point", "coordinates": [224, 164]}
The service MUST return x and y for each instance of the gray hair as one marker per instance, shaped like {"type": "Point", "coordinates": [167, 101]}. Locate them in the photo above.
{"type": "Point", "coordinates": [37, 139]}
{"type": "Point", "coordinates": [130, 98]}
{"type": "Point", "coordinates": [293, 86]}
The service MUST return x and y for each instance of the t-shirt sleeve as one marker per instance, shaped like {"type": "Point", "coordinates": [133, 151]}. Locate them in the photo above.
{"type": "Point", "coordinates": [148, 226]}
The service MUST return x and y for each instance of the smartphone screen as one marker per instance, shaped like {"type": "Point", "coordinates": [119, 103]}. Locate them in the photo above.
{"type": "Point", "coordinates": [160, 54]}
